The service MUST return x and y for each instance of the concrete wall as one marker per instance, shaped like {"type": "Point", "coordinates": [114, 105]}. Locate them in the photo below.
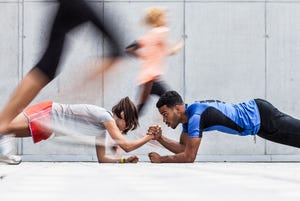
{"type": "Point", "coordinates": [235, 50]}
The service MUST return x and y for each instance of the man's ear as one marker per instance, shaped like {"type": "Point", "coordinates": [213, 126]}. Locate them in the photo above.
{"type": "Point", "coordinates": [177, 108]}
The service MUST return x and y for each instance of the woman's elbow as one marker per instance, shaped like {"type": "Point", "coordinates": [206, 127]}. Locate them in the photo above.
{"type": "Point", "coordinates": [127, 148]}
{"type": "Point", "coordinates": [102, 159]}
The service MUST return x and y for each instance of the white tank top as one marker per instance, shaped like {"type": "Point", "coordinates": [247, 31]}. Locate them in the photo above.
{"type": "Point", "coordinates": [81, 118]}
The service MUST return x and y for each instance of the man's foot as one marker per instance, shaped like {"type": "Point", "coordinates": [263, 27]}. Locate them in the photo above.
{"type": "Point", "coordinates": [10, 159]}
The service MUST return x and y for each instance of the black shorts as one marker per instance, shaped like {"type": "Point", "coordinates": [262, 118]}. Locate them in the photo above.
{"type": "Point", "coordinates": [277, 126]}
{"type": "Point", "coordinates": [72, 13]}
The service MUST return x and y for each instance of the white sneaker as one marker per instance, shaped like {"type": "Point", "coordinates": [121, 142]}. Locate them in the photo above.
{"type": "Point", "coordinates": [6, 150]}
{"type": "Point", "coordinates": [10, 159]}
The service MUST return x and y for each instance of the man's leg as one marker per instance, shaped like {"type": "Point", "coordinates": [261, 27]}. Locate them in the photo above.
{"type": "Point", "coordinates": [277, 126]}
{"type": "Point", "coordinates": [289, 131]}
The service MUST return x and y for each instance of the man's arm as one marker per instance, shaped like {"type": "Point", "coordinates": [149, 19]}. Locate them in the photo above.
{"type": "Point", "coordinates": [173, 145]}
{"type": "Point", "coordinates": [169, 144]}
{"type": "Point", "coordinates": [187, 156]}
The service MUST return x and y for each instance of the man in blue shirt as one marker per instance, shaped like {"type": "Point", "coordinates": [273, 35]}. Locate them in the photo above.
{"type": "Point", "coordinates": [255, 117]}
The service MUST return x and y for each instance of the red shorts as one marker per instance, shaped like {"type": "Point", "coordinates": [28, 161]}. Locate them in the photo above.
{"type": "Point", "coordinates": [39, 116]}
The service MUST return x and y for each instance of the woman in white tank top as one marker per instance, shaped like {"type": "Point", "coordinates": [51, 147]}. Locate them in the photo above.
{"type": "Point", "coordinates": [41, 120]}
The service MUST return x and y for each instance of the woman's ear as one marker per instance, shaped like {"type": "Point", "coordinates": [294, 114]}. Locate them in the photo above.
{"type": "Point", "coordinates": [122, 115]}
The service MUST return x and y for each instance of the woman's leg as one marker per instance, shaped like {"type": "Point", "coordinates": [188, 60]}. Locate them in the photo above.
{"type": "Point", "coordinates": [19, 127]}
{"type": "Point", "coordinates": [107, 27]}
{"type": "Point", "coordinates": [159, 87]}
{"type": "Point", "coordinates": [27, 89]}
{"type": "Point", "coordinates": [69, 15]}
{"type": "Point", "coordinates": [45, 70]}
{"type": "Point", "coordinates": [146, 89]}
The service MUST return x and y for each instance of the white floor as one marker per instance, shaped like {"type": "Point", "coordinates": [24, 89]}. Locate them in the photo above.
{"type": "Point", "coordinates": [39, 181]}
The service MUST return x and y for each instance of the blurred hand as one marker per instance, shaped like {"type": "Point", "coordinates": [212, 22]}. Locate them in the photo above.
{"type": "Point", "coordinates": [132, 159]}
{"type": "Point", "coordinates": [178, 46]}
{"type": "Point", "coordinates": [154, 157]}
{"type": "Point", "coordinates": [116, 150]}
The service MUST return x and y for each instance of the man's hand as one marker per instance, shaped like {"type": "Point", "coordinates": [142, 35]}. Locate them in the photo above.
{"type": "Point", "coordinates": [156, 131]}
{"type": "Point", "coordinates": [132, 159]}
{"type": "Point", "coordinates": [154, 157]}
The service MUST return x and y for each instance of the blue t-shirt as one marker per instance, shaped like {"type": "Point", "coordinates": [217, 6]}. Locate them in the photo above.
{"type": "Point", "coordinates": [240, 119]}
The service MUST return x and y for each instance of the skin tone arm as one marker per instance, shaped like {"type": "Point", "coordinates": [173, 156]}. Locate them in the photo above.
{"type": "Point", "coordinates": [178, 46]}
{"type": "Point", "coordinates": [103, 158]}
{"type": "Point", "coordinates": [126, 145]}
{"type": "Point", "coordinates": [131, 49]}
{"type": "Point", "coordinates": [187, 156]}
{"type": "Point", "coordinates": [172, 145]}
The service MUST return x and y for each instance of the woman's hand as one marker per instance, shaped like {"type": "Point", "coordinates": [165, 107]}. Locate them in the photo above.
{"type": "Point", "coordinates": [132, 159]}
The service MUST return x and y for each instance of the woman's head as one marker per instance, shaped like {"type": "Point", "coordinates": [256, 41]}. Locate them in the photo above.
{"type": "Point", "coordinates": [127, 116]}
{"type": "Point", "coordinates": [156, 16]}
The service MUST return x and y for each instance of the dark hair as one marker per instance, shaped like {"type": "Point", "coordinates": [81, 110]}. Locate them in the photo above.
{"type": "Point", "coordinates": [170, 99]}
{"type": "Point", "coordinates": [130, 113]}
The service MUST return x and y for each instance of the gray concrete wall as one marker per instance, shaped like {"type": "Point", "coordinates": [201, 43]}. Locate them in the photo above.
{"type": "Point", "coordinates": [235, 50]}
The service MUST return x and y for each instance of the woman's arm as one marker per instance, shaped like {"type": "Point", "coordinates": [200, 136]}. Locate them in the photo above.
{"type": "Point", "coordinates": [178, 46]}
{"type": "Point", "coordinates": [117, 136]}
{"type": "Point", "coordinates": [132, 48]}
{"type": "Point", "coordinates": [103, 158]}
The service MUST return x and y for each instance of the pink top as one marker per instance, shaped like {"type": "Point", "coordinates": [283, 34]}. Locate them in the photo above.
{"type": "Point", "coordinates": [153, 50]}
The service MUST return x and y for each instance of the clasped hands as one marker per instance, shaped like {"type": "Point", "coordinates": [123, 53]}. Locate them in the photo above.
{"type": "Point", "coordinates": [156, 131]}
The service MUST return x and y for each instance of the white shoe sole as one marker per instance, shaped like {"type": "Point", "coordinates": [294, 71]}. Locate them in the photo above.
{"type": "Point", "coordinates": [10, 160]}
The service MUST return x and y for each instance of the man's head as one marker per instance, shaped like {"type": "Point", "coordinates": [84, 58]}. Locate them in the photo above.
{"type": "Point", "coordinates": [172, 108]}
{"type": "Point", "coordinates": [126, 115]}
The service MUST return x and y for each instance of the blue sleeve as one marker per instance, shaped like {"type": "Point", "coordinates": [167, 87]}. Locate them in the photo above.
{"type": "Point", "coordinates": [194, 126]}
{"type": "Point", "coordinates": [184, 128]}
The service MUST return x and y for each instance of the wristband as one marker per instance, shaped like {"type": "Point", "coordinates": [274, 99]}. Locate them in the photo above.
{"type": "Point", "coordinates": [122, 160]}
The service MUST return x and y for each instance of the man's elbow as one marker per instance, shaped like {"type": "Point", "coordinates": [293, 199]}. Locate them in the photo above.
{"type": "Point", "coordinates": [190, 158]}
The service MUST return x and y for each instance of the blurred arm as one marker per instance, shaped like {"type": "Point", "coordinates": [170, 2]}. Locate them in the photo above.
{"type": "Point", "coordinates": [126, 145]}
